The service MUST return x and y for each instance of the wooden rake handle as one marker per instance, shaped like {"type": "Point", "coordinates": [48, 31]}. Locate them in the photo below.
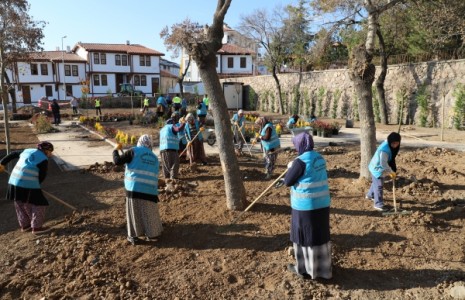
{"type": "Point", "coordinates": [258, 198]}
{"type": "Point", "coordinates": [189, 142]}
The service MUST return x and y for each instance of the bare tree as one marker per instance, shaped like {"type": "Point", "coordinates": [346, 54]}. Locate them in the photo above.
{"type": "Point", "coordinates": [19, 34]}
{"type": "Point", "coordinates": [264, 29]}
{"type": "Point", "coordinates": [203, 46]}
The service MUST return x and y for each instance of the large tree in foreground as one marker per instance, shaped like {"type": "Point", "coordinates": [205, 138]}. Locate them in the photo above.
{"type": "Point", "coordinates": [203, 46]}
{"type": "Point", "coordinates": [19, 34]}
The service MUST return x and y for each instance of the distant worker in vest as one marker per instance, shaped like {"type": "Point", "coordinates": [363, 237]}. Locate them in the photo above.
{"type": "Point", "coordinates": [98, 109]}
{"type": "Point", "coordinates": [169, 103]}
{"type": "Point", "coordinates": [24, 186]}
{"type": "Point", "coordinates": [291, 123]}
{"type": "Point", "coordinates": [56, 112]}
{"type": "Point", "coordinates": [206, 101]}
{"type": "Point", "coordinates": [169, 146]}
{"type": "Point", "coordinates": [201, 112]}
{"type": "Point", "coordinates": [195, 149]}
{"type": "Point", "coordinates": [177, 103]}
{"type": "Point", "coordinates": [383, 163]}
{"type": "Point", "coordinates": [182, 140]}
{"type": "Point", "coordinates": [270, 143]}
{"type": "Point", "coordinates": [141, 185]}
{"type": "Point", "coordinates": [162, 106]}
{"type": "Point", "coordinates": [146, 104]}
{"type": "Point", "coordinates": [238, 122]}
{"type": "Point", "coordinates": [310, 202]}
{"type": "Point", "coordinates": [74, 105]}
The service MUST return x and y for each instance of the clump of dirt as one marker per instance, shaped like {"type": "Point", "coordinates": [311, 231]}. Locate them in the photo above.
{"type": "Point", "coordinates": [106, 167]}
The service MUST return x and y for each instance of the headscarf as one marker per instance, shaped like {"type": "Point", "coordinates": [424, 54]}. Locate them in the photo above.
{"type": "Point", "coordinates": [145, 141]}
{"type": "Point", "coordinates": [393, 137]}
{"type": "Point", "coordinates": [303, 142]}
{"type": "Point", "coordinates": [45, 146]}
{"type": "Point", "coordinates": [190, 117]}
{"type": "Point", "coordinates": [262, 121]}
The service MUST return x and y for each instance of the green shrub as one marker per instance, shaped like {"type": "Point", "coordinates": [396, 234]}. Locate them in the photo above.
{"type": "Point", "coordinates": [459, 106]}
{"type": "Point", "coordinates": [422, 99]}
{"type": "Point", "coordinates": [320, 97]}
{"type": "Point", "coordinates": [43, 124]}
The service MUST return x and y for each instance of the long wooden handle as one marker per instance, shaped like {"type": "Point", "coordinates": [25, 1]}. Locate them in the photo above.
{"type": "Point", "coordinates": [394, 194]}
{"type": "Point", "coordinates": [188, 143]}
{"type": "Point", "coordinates": [258, 198]}
{"type": "Point", "coordinates": [248, 148]}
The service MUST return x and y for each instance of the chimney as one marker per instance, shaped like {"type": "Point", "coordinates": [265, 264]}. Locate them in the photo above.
{"type": "Point", "coordinates": [68, 49]}
{"type": "Point", "coordinates": [128, 42]}
{"type": "Point", "coordinates": [58, 49]}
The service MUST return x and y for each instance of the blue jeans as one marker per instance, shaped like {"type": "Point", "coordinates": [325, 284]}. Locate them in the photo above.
{"type": "Point", "coordinates": [376, 190]}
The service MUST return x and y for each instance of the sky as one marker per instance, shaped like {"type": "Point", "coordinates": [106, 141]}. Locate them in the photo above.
{"type": "Point", "coordinates": [137, 21]}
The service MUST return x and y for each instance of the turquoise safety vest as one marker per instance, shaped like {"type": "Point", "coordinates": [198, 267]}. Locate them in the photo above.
{"type": "Point", "coordinates": [161, 101]}
{"type": "Point", "coordinates": [26, 173]}
{"type": "Point", "coordinates": [168, 140]}
{"type": "Point", "coordinates": [291, 122]}
{"type": "Point", "coordinates": [181, 134]}
{"type": "Point", "coordinates": [311, 191]}
{"type": "Point", "coordinates": [188, 132]}
{"type": "Point", "coordinates": [274, 142]}
{"type": "Point", "coordinates": [375, 166]}
{"type": "Point", "coordinates": [141, 173]}
{"type": "Point", "coordinates": [203, 110]}
{"type": "Point", "coordinates": [240, 122]}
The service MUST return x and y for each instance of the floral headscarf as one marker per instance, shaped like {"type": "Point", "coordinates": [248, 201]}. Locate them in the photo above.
{"type": "Point", "coordinates": [145, 141]}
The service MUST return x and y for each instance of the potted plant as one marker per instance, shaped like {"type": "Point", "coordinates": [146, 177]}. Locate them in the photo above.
{"type": "Point", "coordinates": [335, 128]}
{"type": "Point", "coordinates": [327, 130]}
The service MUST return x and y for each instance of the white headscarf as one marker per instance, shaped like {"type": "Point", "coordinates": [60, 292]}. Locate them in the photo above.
{"type": "Point", "coordinates": [190, 117]}
{"type": "Point", "coordinates": [145, 141]}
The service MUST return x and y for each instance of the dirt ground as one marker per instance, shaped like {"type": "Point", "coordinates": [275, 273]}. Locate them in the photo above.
{"type": "Point", "coordinates": [201, 256]}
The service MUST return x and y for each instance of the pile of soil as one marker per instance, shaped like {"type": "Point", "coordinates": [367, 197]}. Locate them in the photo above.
{"type": "Point", "coordinates": [200, 255]}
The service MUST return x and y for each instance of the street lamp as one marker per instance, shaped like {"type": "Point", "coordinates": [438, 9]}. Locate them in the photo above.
{"type": "Point", "coordinates": [63, 62]}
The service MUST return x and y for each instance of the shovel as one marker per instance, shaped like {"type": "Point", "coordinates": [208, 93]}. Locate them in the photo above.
{"type": "Point", "coordinates": [395, 212]}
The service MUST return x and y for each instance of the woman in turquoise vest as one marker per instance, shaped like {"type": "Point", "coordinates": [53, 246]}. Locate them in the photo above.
{"type": "Point", "coordinates": [292, 121]}
{"type": "Point", "coordinates": [383, 163]}
{"type": "Point", "coordinates": [24, 186]}
{"type": "Point", "coordinates": [238, 122]}
{"type": "Point", "coordinates": [141, 185]}
{"type": "Point", "coordinates": [169, 146]}
{"type": "Point", "coordinates": [201, 112]}
{"type": "Point", "coordinates": [270, 143]}
{"type": "Point", "coordinates": [195, 149]}
{"type": "Point", "coordinates": [310, 201]}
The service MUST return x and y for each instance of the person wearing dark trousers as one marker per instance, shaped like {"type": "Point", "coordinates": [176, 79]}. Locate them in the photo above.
{"type": "Point", "coordinates": [56, 112]}
{"type": "Point", "coordinates": [98, 105]}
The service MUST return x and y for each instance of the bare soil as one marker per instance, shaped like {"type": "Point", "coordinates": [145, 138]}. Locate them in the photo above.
{"type": "Point", "coordinates": [200, 255]}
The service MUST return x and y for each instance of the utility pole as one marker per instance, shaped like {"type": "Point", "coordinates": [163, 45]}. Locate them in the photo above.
{"type": "Point", "coordinates": [63, 62]}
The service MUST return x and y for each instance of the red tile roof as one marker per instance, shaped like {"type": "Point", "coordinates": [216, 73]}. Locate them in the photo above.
{"type": "Point", "coordinates": [233, 49]}
{"type": "Point", "coordinates": [56, 56]}
{"type": "Point", "coordinates": [164, 73]}
{"type": "Point", "coordinates": [118, 48]}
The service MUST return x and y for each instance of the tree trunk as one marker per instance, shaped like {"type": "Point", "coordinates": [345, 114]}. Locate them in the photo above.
{"type": "Point", "coordinates": [278, 86]}
{"type": "Point", "coordinates": [234, 187]}
{"type": "Point", "coordinates": [381, 78]}
{"type": "Point", "coordinates": [4, 95]}
{"type": "Point", "coordinates": [362, 73]}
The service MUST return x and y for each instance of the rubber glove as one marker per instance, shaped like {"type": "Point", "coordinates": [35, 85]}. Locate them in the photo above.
{"type": "Point", "coordinates": [202, 129]}
{"type": "Point", "coordinates": [119, 146]}
{"type": "Point", "coordinates": [392, 175]}
{"type": "Point", "coordinates": [257, 135]}
{"type": "Point", "coordinates": [2, 168]}
{"type": "Point", "coordinates": [289, 165]}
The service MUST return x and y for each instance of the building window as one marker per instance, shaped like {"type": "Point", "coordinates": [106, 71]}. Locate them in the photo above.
{"type": "Point", "coordinates": [96, 59]}
{"type": "Point", "coordinates": [143, 80]}
{"type": "Point", "coordinates": [48, 91]}
{"type": "Point", "coordinates": [136, 80]}
{"type": "Point", "coordinates": [104, 80]}
{"type": "Point", "coordinates": [118, 60]}
{"type": "Point", "coordinates": [243, 62]}
{"type": "Point", "coordinates": [34, 69]}
{"type": "Point", "coordinates": [142, 60]}
{"type": "Point", "coordinates": [75, 70]}
{"type": "Point", "coordinates": [124, 60]}
{"type": "Point", "coordinates": [96, 80]}
{"type": "Point", "coordinates": [103, 59]}
{"type": "Point", "coordinates": [230, 62]}
{"type": "Point", "coordinates": [67, 70]}
{"type": "Point", "coordinates": [148, 62]}
{"type": "Point", "coordinates": [43, 69]}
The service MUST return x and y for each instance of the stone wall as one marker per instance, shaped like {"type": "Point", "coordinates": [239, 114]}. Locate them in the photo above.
{"type": "Point", "coordinates": [320, 89]}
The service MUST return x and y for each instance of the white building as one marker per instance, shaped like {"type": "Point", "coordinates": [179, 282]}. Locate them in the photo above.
{"type": "Point", "coordinates": [109, 65]}
{"type": "Point", "coordinates": [46, 75]}
{"type": "Point", "coordinates": [103, 66]}
{"type": "Point", "coordinates": [235, 58]}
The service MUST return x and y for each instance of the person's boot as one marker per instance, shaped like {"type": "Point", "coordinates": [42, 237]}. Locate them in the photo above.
{"type": "Point", "coordinates": [268, 176]}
